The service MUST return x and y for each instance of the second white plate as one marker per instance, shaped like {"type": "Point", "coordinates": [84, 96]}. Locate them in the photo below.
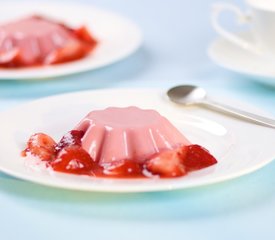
{"type": "Point", "coordinates": [118, 37]}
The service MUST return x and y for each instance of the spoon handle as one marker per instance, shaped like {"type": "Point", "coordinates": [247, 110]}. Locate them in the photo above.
{"type": "Point", "coordinates": [239, 113]}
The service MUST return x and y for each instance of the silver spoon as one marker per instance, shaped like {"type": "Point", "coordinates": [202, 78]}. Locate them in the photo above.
{"type": "Point", "coordinates": [192, 95]}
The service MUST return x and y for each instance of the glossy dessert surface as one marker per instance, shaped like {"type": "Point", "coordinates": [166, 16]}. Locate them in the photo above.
{"type": "Point", "coordinates": [115, 134]}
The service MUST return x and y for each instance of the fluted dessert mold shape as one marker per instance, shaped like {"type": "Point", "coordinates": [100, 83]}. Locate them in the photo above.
{"type": "Point", "coordinates": [116, 134]}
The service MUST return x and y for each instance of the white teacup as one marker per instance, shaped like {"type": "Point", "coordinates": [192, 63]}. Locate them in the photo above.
{"type": "Point", "coordinates": [262, 19]}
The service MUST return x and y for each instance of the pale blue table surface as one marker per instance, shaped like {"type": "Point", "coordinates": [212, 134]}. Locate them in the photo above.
{"type": "Point", "coordinates": [176, 36]}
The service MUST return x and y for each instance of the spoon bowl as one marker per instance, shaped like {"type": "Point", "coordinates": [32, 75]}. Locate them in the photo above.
{"type": "Point", "coordinates": [187, 94]}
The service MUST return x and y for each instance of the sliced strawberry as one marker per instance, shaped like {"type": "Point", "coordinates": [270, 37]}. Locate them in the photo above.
{"type": "Point", "coordinates": [83, 34]}
{"type": "Point", "coordinates": [8, 56]}
{"type": "Point", "coordinates": [42, 146]}
{"type": "Point", "coordinates": [167, 164]}
{"type": "Point", "coordinates": [73, 50]}
{"type": "Point", "coordinates": [71, 138]}
{"type": "Point", "coordinates": [197, 158]}
{"type": "Point", "coordinates": [127, 168]}
{"type": "Point", "coordinates": [15, 58]}
{"type": "Point", "coordinates": [73, 159]}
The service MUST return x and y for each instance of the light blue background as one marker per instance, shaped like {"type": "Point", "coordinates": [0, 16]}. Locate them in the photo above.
{"type": "Point", "coordinates": [176, 36]}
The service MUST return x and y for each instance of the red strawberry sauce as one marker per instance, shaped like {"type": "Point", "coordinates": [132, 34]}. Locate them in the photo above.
{"type": "Point", "coordinates": [69, 157]}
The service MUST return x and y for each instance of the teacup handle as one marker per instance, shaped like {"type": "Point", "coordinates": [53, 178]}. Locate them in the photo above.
{"type": "Point", "coordinates": [242, 18]}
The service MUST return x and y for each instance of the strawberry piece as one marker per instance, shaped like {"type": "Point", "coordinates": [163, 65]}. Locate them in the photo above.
{"type": "Point", "coordinates": [42, 146]}
{"type": "Point", "coordinates": [83, 34]}
{"type": "Point", "coordinates": [197, 157]}
{"type": "Point", "coordinates": [15, 58]}
{"type": "Point", "coordinates": [128, 168]}
{"type": "Point", "coordinates": [73, 137]}
{"type": "Point", "coordinates": [178, 162]}
{"type": "Point", "coordinates": [73, 159]}
{"type": "Point", "coordinates": [167, 164]}
{"type": "Point", "coordinates": [73, 50]}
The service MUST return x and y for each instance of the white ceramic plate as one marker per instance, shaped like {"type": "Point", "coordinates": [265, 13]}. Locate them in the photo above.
{"type": "Point", "coordinates": [233, 57]}
{"type": "Point", "coordinates": [233, 142]}
{"type": "Point", "coordinates": [118, 37]}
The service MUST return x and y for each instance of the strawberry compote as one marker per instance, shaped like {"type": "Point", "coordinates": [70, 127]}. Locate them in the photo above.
{"type": "Point", "coordinates": [36, 40]}
{"type": "Point", "coordinates": [90, 149]}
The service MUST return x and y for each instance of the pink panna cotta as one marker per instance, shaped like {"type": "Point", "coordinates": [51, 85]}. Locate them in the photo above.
{"type": "Point", "coordinates": [117, 134]}
{"type": "Point", "coordinates": [37, 40]}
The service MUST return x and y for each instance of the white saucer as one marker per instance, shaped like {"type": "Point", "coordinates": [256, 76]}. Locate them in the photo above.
{"type": "Point", "coordinates": [233, 57]}
{"type": "Point", "coordinates": [233, 142]}
{"type": "Point", "coordinates": [118, 37]}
